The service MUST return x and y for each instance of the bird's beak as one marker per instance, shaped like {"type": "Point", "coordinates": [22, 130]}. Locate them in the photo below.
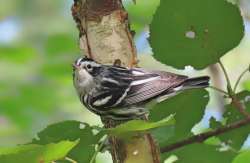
{"type": "Point", "coordinates": [76, 67]}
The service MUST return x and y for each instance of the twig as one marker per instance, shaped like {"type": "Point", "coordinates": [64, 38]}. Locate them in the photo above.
{"type": "Point", "coordinates": [70, 160]}
{"type": "Point", "coordinates": [218, 90]}
{"type": "Point", "coordinates": [202, 137]}
{"type": "Point", "coordinates": [240, 77]}
{"type": "Point", "coordinates": [229, 86]}
{"type": "Point", "coordinates": [240, 107]}
{"type": "Point", "coordinates": [231, 93]}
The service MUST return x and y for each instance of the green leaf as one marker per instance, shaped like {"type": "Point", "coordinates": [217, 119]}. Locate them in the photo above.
{"type": "Point", "coordinates": [243, 157]}
{"type": "Point", "coordinates": [59, 44]}
{"type": "Point", "coordinates": [18, 149]}
{"type": "Point", "coordinates": [213, 141]}
{"type": "Point", "coordinates": [36, 153]}
{"type": "Point", "coordinates": [188, 108]}
{"type": "Point", "coordinates": [201, 153]}
{"type": "Point", "coordinates": [163, 134]}
{"type": "Point", "coordinates": [71, 130]}
{"type": "Point", "coordinates": [140, 126]}
{"type": "Point", "coordinates": [193, 32]}
{"type": "Point", "coordinates": [236, 138]}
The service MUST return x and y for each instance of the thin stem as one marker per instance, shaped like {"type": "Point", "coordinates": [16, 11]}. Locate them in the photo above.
{"type": "Point", "coordinates": [218, 90]}
{"type": "Point", "coordinates": [240, 77]}
{"type": "Point", "coordinates": [204, 136]}
{"type": "Point", "coordinates": [100, 146]}
{"type": "Point", "coordinates": [70, 160]}
{"type": "Point", "coordinates": [229, 87]}
{"type": "Point", "coordinates": [231, 94]}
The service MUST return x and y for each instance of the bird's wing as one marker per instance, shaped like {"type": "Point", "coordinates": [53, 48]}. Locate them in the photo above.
{"type": "Point", "coordinates": [114, 84]}
{"type": "Point", "coordinates": [147, 85]}
{"type": "Point", "coordinates": [123, 87]}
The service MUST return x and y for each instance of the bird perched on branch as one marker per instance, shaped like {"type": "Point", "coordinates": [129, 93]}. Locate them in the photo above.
{"type": "Point", "coordinates": [121, 93]}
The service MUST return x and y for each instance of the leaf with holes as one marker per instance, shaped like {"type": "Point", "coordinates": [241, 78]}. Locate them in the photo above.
{"type": "Point", "coordinates": [193, 32]}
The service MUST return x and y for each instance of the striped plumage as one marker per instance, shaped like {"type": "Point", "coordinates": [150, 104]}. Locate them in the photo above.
{"type": "Point", "coordinates": [120, 93]}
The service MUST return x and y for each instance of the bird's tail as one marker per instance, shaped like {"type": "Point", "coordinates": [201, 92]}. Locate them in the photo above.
{"type": "Point", "coordinates": [197, 82]}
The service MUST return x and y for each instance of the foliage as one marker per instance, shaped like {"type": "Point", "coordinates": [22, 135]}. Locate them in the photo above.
{"type": "Point", "coordinates": [72, 130]}
{"type": "Point", "coordinates": [36, 153]}
{"type": "Point", "coordinates": [190, 102]}
{"type": "Point", "coordinates": [140, 126]}
{"type": "Point", "coordinates": [178, 36]}
{"type": "Point", "coordinates": [86, 138]}
{"type": "Point", "coordinates": [201, 153]}
{"type": "Point", "coordinates": [242, 157]}
{"type": "Point", "coordinates": [182, 38]}
{"type": "Point", "coordinates": [237, 137]}
{"type": "Point", "coordinates": [198, 39]}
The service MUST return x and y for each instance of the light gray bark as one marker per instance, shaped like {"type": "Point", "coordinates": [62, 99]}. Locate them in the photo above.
{"type": "Point", "coordinates": [105, 37]}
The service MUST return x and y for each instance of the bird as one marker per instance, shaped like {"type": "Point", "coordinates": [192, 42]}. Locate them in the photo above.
{"type": "Point", "coordinates": [121, 93]}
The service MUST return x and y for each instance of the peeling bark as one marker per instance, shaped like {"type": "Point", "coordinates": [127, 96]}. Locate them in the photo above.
{"type": "Point", "coordinates": [105, 37]}
{"type": "Point", "coordinates": [104, 33]}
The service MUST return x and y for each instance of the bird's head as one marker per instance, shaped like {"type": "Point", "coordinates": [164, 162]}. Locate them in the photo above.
{"type": "Point", "coordinates": [86, 65]}
{"type": "Point", "coordinates": [84, 71]}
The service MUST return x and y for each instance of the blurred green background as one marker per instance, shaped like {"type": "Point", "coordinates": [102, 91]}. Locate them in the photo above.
{"type": "Point", "coordinates": [38, 43]}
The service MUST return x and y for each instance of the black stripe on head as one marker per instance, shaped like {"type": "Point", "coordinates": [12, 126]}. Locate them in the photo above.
{"type": "Point", "coordinates": [87, 59]}
{"type": "Point", "coordinates": [83, 59]}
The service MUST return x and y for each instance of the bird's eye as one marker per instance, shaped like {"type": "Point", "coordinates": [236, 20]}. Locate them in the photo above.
{"type": "Point", "coordinates": [89, 66]}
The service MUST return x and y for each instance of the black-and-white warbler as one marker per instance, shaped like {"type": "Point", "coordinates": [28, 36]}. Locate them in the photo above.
{"type": "Point", "coordinates": [121, 93]}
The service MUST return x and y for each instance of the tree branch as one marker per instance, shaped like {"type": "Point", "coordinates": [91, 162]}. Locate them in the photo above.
{"type": "Point", "coordinates": [105, 37]}
{"type": "Point", "coordinates": [202, 137]}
